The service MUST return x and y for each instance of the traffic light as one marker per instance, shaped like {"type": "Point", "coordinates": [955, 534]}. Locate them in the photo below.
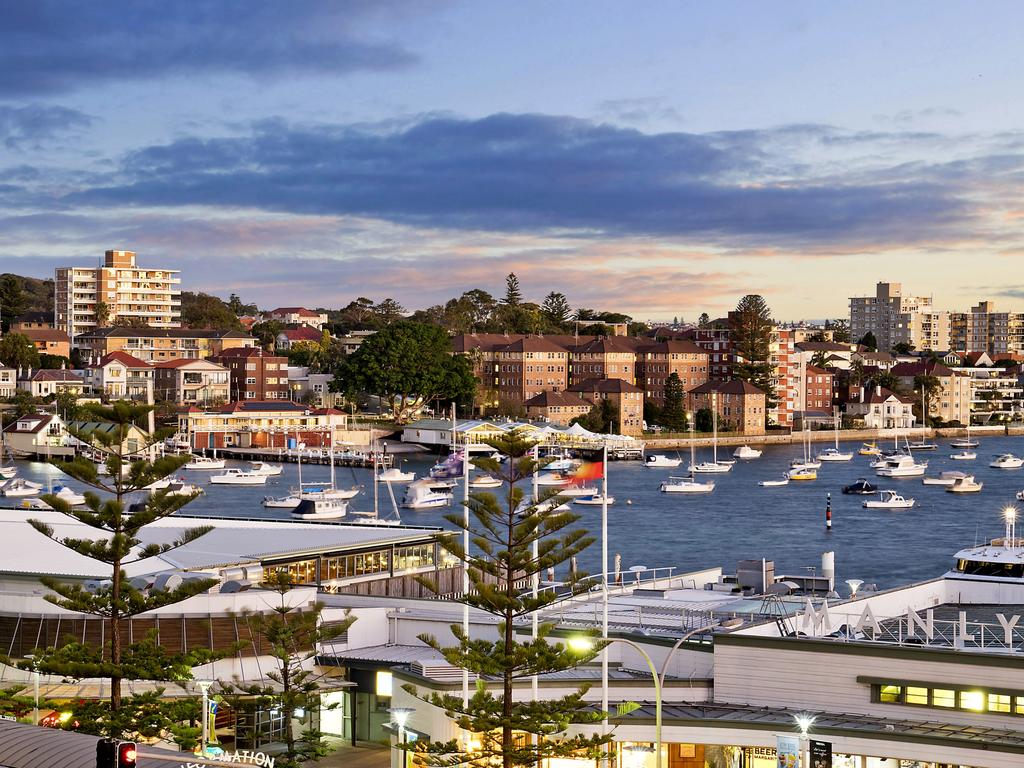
{"type": "Point", "coordinates": [115, 754]}
{"type": "Point", "coordinates": [126, 754]}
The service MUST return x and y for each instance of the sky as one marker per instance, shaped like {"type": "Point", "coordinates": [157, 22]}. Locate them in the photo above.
{"type": "Point", "coordinates": [660, 158]}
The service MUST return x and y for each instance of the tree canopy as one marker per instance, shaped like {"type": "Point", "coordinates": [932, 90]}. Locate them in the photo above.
{"type": "Point", "coordinates": [18, 351]}
{"type": "Point", "coordinates": [201, 310]}
{"type": "Point", "coordinates": [408, 365]}
{"type": "Point", "coordinates": [751, 328]}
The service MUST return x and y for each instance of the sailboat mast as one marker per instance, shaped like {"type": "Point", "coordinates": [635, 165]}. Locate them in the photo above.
{"type": "Point", "coordinates": [714, 426]}
{"type": "Point", "coordinates": [330, 448]}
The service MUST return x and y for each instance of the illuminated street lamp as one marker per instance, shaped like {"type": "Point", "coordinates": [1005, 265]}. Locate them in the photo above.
{"type": "Point", "coordinates": [35, 685]}
{"type": "Point", "coordinates": [400, 716]}
{"type": "Point", "coordinates": [1010, 516]}
{"type": "Point", "coordinates": [804, 723]}
{"type": "Point", "coordinates": [204, 686]}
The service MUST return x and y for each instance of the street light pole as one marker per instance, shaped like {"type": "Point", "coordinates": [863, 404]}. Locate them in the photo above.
{"type": "Point", "coordinates": [400, 716]}
{"type": "Point", "coordinates": [35, 683]}
{"type": "Point", "coordinates": [204, 686]}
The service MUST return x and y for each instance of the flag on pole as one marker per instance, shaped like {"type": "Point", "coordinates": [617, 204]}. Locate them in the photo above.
{"type": "Point", "coordinates": [589, 470]}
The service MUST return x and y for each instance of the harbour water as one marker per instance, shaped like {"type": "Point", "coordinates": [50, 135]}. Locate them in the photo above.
{"type": "Point", "coordinates": [738, 520]}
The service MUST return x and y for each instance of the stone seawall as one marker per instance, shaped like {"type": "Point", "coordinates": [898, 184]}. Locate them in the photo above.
{"type": "Point", "coordinates": [883, 436]}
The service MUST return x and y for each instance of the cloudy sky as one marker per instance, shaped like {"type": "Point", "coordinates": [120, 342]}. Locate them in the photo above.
{"type": "Point", "coordinates": [655, 158]}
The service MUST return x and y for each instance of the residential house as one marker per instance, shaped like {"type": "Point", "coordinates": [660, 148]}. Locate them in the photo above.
{"type": "Point", "coordinates": [627, 399]}
{"type": "Point", "coordinates": [557, 407]}
{"type": "Point", "coordinates": [32, 321]}
{"type": "Point", "coordinates": [119, 376]}
{"type": "Point", "coordinates": [191, 381]}
{"type": "Point", "coordinates": [661, 359]}
{"type": "Point", "coordinates": [38, 434]}
{"type": "Point", "coordinates": [255, 374]}
{"type": "Point", "coordinates": [156, 345]}
{"type": "Point", "coordinates": [881, 408]}
{"type": "Point", "coordinates": [298, 316]}
{"type": "Point", "coordinates": [8, 381]}
{"type": "Point", "coordinates": [260, 424]}
{"type": "Point", "coordinates": [49, 341]}
{"type": "Point", "coordinates": [289, 337]}
{"type": "Point", "coordinates": [311, 388]}
{"type": "Point", "coordinates": [352, 340]}
{"type": "Point", "coordinates": [834, 354]}
{"type": "Point", "coordinates": [952, 401]}
{"type": "Point", "coordinates": [51, 381]}
{"type": "Point", "coordinates": [133, 439]}
{"type": "Point", "coordinates": [740, 405]}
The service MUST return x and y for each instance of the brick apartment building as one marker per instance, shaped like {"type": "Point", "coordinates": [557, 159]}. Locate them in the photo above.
{"type": "Point", "coordinates": [661, 359]}
{"type": "Point", "coordinates": [159, 344]}
{"type": "Point", "coordinates": [557, 407]}
{"type": "Point", "coordinates": [819, 386]}
{"type": "Point", "coordinates": [613, 357]}
{"type": "Point", "coordinates": [740, 405]}
{"type": "Point", "coordinates": [627, 399]}
{"type": "Point", "coordinates": [255, 374]}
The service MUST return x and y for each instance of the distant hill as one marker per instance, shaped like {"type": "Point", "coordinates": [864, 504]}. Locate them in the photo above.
{"type": "Point", "coordinates": [37, 293]}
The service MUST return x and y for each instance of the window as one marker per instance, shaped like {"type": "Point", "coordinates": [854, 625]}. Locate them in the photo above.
{"type": "Point", "coordinates": [917, 696]}
{"type": "Point", "coordinates": [999, 702]}
{"type": "Point", "coordinates": [891, 694]}
{"type": "Point", "coordinates": [972, 700]}
{"type": "Point", "coordinates": [943, 697]}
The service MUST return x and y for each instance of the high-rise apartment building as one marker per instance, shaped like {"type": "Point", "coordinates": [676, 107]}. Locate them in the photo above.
{"type": "Point", "coordinates": [118, 289]}
{"type": "Point", "coordinates": [894, 319]}
{"type": "Point", "coordinates": [985, 330]}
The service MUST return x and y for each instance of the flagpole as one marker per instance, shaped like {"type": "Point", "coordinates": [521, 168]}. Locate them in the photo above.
{"type": "Point", "coordinates": [604, 588]}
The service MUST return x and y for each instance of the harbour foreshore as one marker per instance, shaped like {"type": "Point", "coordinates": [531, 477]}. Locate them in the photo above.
{"type": "Point", "coordinates": [825, 436]}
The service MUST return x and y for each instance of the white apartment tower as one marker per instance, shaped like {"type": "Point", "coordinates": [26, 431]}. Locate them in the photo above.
{"type": "Point", "coordinates": [147, 296]}
{"type": "Point", "coordinates": [894, 318]}
{"type": "Point", "coordinates": [985, 330]}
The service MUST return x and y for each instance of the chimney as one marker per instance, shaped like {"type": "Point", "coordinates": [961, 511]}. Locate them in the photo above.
{"type": "Point", "coordinates": [878, 389]}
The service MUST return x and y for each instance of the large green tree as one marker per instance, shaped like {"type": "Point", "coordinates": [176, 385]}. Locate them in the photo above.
{"type": "Point", "coordinates": [12, 300]}
{"type": "Point", "coordinates": [504, 535]}
{"type": "Point", "coordinates": [926, 386]}
{"type": "Point", "coordinates": [118, 544]}
{"type": "Point", "coordinates": [673, 413]}
{"type": "Point", "coordinates": [751, 329]}
{"type": "Point", "coordinates": [556, 309]}
{"type": "Point", "coordinates": [290, 634]}
{"type": "Point", "coordinates": [408, 365]}
{"type": "Point", "coordinates": [201, 310]}
{"type": "Point", "coordinates": [513, 294]}
{"type": "Point", "coordinates": [18, 351]}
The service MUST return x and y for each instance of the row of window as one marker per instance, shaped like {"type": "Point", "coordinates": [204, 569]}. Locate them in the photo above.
{"type": "Point", "coordinates": [362, 564]}
{"type": "Point", "coordinates": [965, 699]}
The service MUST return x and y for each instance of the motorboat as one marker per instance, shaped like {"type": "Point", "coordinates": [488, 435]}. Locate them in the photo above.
{"type": "Point", "coordinates": [64, 493]}
{"type": "Point", "coordinates": [889, 500]}
{"type": "Point", "coordinates": [964, 455]}
{"type": "Point", "coordinates": [902, 466]}
{"type": "Point", "coordinates": [552, 479]}
{"type": "Point", "coordinates": [451, 467]}
{"type": "Point", "coordinates": [19, 487]}
{"type": "Point", "coordinates": [1020, 495]}
{"type": "Point", "coordinates": [320, 509]}
{"type": "Point", "coordinates": [199, 463]}
{"type": "Point", "coordinates": [594, 500]}
{"type": "Point", "coordinates": [945, 478]}
{"type": "Point", "coordinates": [236, 476]}
{"type": "Point", "coordinates": [686, 485]}
{"type": "Point", "coordinates": [965, 485]}
{"type": "Point", "coordinates": [577, 491]}
{"type": "Point", "coordinates": [833, 454]}
{"type": "Point", "coordinates": [421, 495]}
{"type": "Point", "coordinates": [869, 449]}
{"type": "Point", "coordinates": [282, 502]}
{"type": "Point", "coordinates": [265, 468]}
{"type": "Point", "coordinates": [561, 464]}
{"type": "Point", "coordinates": [553, 504]}
{"type": "Point", "coordinates": [784, 480]}
{"type": "Point", "coordinates": [746, 452]}
{"type": "Point", "coordinates": [860, 487]}
{"type": "Point", "coordinates": [485, 481]}
{"type": "Point", "coordinates": [803, 473]}
{"type": "Point", "coordinates": [1006, 461]}
{"type": "Point", "coordinates": [395, 475]}
{"type": "Point", "coordinates": [661, 461]}
{"type": "Point", "coordinates": [8, 472]}
{"type": "Point", "coordinates": [174, 486]}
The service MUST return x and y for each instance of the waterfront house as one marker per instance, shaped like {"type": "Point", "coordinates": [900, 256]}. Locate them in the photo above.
{"type": "Point", "coordinates": [120, 376]}
{"type": "Point", "coordinates": [44, 382]}
{"type": "Point", "coordinates": [741, 405]}
{"type": "Point", "coordinates": [557, 407]}
{"type": "Point", "coordinates": [627, 400]}
{"type": "Point", "coordinates": [260, 424]}
{"type": "Point", "coordinates": [881, 408]}
{"type": "Point", "coordinates": [191, 381]}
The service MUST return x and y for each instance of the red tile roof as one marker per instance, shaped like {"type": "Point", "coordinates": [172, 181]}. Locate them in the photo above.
{"type": "Point", "coordinates": [55, 374]}
{"type": "Point", "coordinates": [564, 399]}
{"type": "Point", "coordinates": [128, 361]}
{"type": "Point", "coordinates": [294, 311]}
{"type": "Point", "coordinates": [45, 334]}
{"type": "Point", "coordinates": [181, 362]}
{"type": "Point", "coordinates": [303, 333]}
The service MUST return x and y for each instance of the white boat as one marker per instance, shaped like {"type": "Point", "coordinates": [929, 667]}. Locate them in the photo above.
{"type": "Point", "coordinates": [552, 479]}
{"type": "Point", "coordinates": [902, 466]}
{"type": "Point", "coordinates": [205, 463]}
{"type": "Point", "coordinates": [562, 465]}
{"type": "Point", "coordinates": [64, 493]}
{"type": "Point", "coordinates": [945, 478]}
{"type": "Point", "coordinates": [1006, 461]}
{"type": "Point", "coordinates": [395, 475]}
{"type": "Point", "coordinates": [889, 500]}
{"type": "Point", "coordinates": [964, 455]}
{"type": "Point", "coordinates": [265, 468]}
{"type": "Point", "coordinates": [235, 476]}
{"type": "Point", "coordinates": [180, 487]}
{"type": "Point", "coordinates": [320, 509]}
{"type": "Point", "coordinates": [576, 491]}
{"type": "Point", "coordinates": [710, 467]}
{"type": "Point", "coordinates": [1020, 495]}
{"type": "Point", "coordinates": [313, 493]}
{"type": "Point", "coordinates": [716, 465]}
{"type": "Point", "coordinates": [594, 500]}
{"type": "Point", "coordinates": [282, 502]}
{"type": "Point", "coordinates": [661, 461]}
{"type": "Point", "coordinates": [804, 464]}
{"type": "Point", "coordinates": [774, 483]}
{"type": "Point", "coordinates": [422, 495]}
{"type": "Point", "coordinates": [485, 481]}
{"type": "Point", "coordinates": [686, 485]}
{"type": "Point", "coordinates": [8, 472]}
{"type": "Point", "coordinates": [834, 454]}
{"type": "Point", "coordinates": [746, 452]}
{"type": "Point", "coordinates": [965, 442]}
{"type": "Point", "coordinates": [965, 485]}
{"type": "Point", "coordinates": [554, 504]}
{"type": "Point", "coordinates": [923, 445]}
{"type": "Point", "coordinates": [19, 487]}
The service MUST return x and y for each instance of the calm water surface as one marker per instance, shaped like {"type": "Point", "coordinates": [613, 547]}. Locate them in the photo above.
{"type": "Point", "coordinates": [738, 520]}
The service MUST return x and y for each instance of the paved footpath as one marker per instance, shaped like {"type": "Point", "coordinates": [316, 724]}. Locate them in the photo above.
{"type": "Point", "coordinates": [347, 756]}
